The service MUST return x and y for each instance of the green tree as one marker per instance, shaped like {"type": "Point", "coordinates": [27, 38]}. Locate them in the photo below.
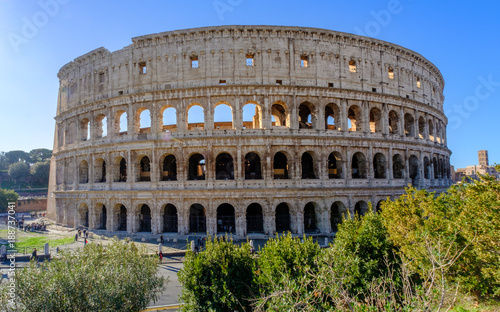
{"type": "Point", "coordinates": [19, 171]}
{"type": "Point", "coordinates": [362, 252]}
{"type": "Point", "coordinates": [478, 269]}
{"type": "Point", "coordinates": [285, 274]}
{"type": "Point", "coordinates": [40, 172]}
{"type": "Point", "coordinates": [40, 155]}
{"type": "Point", "coordinates": [4, 162]}
{"type": "Point", "coordinates": [219, 278]}
{"type": "Point", "coordinates": [17, 156]}
{"type": "Point", "coordinates": [7, 197]}
{"type": "Point", "coordinates": [457, 232]}
{"type": "Point", "coordinates": [115, 277]}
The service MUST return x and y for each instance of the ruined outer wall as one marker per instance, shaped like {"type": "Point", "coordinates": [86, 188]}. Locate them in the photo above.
{"type": "Point", "coordinates": [390, 104]}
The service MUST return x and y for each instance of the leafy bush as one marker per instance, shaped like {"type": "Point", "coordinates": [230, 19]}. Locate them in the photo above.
{"type": "Point", "coordinates": [115, 277]}
{"type": "Point", "coordinates": [286, 267]}
{"type": "Point", "coordinates": [219, 278]}
{"type": "Point", "coordinates": [457, 232]}
{"type": "Point", "coordinates": [361, 253]}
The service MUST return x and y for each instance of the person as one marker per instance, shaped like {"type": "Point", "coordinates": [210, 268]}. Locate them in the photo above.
{"type": "Point", "coordinates": [161, 239]}
{"type": "Point", "coordinates": [76, 237]}
{"type": "Point", "coordinates": [161, 257]}
{"type": "Point", "coordinates": [33, 254]}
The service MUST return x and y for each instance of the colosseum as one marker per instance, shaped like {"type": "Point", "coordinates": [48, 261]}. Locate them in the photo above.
{"type": "Point", "coordinates": [249, 130]}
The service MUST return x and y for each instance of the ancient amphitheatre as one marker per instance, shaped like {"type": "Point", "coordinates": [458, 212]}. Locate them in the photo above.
{"type": "Point", "coordinates": [321, 123]}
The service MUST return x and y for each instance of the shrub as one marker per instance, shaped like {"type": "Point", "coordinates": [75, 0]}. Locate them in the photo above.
{"type": "Point", "coordinates": [116, 277]}
{"type": "Point", "coordinates": [219, 278]}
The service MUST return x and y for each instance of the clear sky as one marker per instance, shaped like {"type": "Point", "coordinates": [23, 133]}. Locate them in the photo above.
{"type": "Point", "coordinates": [462, 38]}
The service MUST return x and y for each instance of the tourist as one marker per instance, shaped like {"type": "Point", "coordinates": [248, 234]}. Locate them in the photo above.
{"type": "Point", "coordinates": [76, 237]}
{"type": "Point", "coordinates": [161, 239]}
{"type": "Point", "coordinates": [33, 254]}
{"type": "Point", "coordinates": [161, 257]}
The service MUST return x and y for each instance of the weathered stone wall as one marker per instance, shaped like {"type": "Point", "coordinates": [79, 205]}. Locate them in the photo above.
{"type": "Point", "coordinates": [338, 121]}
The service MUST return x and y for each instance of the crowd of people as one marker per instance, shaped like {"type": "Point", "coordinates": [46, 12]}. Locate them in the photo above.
{"type": "Point", "coordinates": [31, 227]}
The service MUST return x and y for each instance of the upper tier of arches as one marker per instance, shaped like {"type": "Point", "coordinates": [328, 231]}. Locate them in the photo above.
{"type": "Point", "coordinates": [150, 120]}
{"type": "Point", "coordinates": [250, 55]}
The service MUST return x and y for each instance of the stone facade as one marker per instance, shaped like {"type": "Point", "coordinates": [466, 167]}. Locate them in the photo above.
{"type": "Point", "coordinates": [320, 123]}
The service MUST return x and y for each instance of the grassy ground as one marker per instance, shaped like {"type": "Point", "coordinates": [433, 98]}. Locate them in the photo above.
{"type": "Point", "coordinates": [469, 304]}
{"type": "Point", "coordinates": [24, 240]}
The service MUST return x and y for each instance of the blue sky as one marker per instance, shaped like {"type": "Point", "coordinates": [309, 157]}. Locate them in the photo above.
{"type": "Point", "coordinates": [462, 39]}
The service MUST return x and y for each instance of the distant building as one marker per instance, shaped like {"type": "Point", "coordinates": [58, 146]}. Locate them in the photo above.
{"type": "Point", "coordinates": [475, 170]}
{"type": "Point", "coordinates": [483, 158]}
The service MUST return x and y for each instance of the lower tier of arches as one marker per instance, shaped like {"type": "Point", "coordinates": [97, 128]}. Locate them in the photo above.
{"type": "Point", "coordinates": [238, 212]}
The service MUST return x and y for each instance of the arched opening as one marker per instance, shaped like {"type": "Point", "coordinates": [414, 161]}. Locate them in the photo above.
{"type": "Point", "coordinates": [196, 118]}
{"type": "Point", "coordinates": [143, 120]}
{"type": "Point", "coordinates": [307, 163]}
{"type": "Point", "coordinates": [332, 115]}
{"type": "Point", "coordinates": [168, 116]}
{"type": "Point", "coordinates": [196, 167]}
{"type": "Point", "coordinates": [83, 171]}
{"type": "Point", "coordinates": [421, 127]}
{"type": "Point", "coordinates": [361, 208]}
{"type": "Point", "coordinates": [442, 170]}
{"type": "Point", "coordinates": [169, 168]}
{"type": "Point", "coordinates": [431, 131]}
{"type": "Point", "coordinates": [85, 129]}
{"type": "Point", "coordinates": [280, 166]}
{"type": "Point", "coordinates": [337, 214]}
{"type": "Point", "coordinates": [223, 117]}
{"type": "Point", "coordinates": [379, 206]}
{"type": "Point", "coordinates": [83, 211]}
{"type": "Point", "coordinates": [310, 220]}
{"type": "Point", "coordinates": [436, 169]}
{"type": "Point", "coordinates": [252, 116]}
{"type": "Point", "coordinates": [224, 167]}
{"type": "Point", "coordinates": [427, 169]}
{"type": "Point", "coordinates": [409, 121]}
{"type": "Point", "coordinates": [379, 165]}
{"type": "Point", "coordinates": [121, 122]}
{"type": "Point", "coordinates": [413, 166]}
{"type": "Point", "coordinates": [358, 166]}
{"type": "Point", "coordinates": [225, 219]}
{"type": "Point", "coordinates": [335, 166]}
{"type": "Point", "coordinates": [354, 118]}
{"type": "Point", "coordinates": [278, 115]}
{"type": "Point", "coordinates": [282, 218]}
{"type": "Point", "coordinates": [102, 217]}
{"type": "Point", "coordinates": [122, 218]}
{"type": "Point", "coordinates": [170, 219]}
{"type": "Point", "coordinates": [252, 167]}
{"type": "Point", "coordinates": [306, 116]}
{"type": "Point", "coordinates": [99, 171]}
{"type": "Point", "coordinates": [375, 118]}
{"type": "Point", "coordinates": [145, 169]}
{"type": "Point", "coordinates": [145, 219]}
{"type": "Point", "coordinates": [398, 167]}
{"type": "Point", "coordinates": [101, 123]}
{"type": "Point", "coordinates": [393, 122]}
{"type": "Point", "coordinates": [255, 219]}
{"type": "Point", "coordinates": [123, 171]}
{"type": "Point", "coordinates": [197, 219]}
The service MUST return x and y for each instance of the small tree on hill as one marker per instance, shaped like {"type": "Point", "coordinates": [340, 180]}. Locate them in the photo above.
{"type": "Point", "coordinates": [19, 171]}
{"type": "Point", "coordinates": [6, 197]}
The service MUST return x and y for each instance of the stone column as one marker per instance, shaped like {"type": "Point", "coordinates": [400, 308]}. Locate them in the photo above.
{"type": "Point", "coordinates": [343, 115]}
{"type": "Point", "coordinates": [385, 119]}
